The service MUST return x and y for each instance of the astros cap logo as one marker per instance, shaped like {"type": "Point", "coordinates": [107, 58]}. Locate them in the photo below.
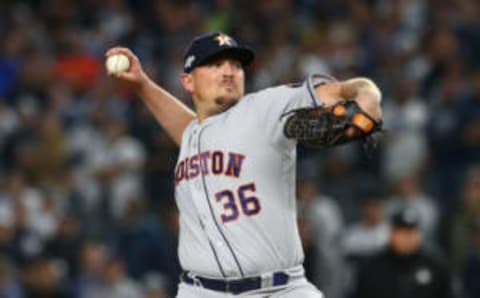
{"type": "Point", "coordinates": [223, 39]}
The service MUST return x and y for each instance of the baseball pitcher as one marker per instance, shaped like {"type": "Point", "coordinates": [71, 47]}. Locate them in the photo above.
{"type": "Point", "coordinates": [235, 175]}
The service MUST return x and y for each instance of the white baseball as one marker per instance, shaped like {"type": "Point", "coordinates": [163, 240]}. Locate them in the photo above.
{"type": "Point", "coordinates": [117, 63]}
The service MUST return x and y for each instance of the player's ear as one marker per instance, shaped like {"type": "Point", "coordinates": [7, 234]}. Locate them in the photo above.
{"type": "Point", "coordinates": [187, 81]}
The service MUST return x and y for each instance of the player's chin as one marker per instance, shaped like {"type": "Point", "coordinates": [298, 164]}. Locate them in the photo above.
{"type": "Point", "coordinates": [225, 102]}
{"type": "Point", "coordinates": [231, 92]}
{"type": "Point", "coordinates": [231, 95]}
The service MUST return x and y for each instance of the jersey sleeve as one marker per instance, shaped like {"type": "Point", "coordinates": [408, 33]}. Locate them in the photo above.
{"type": "Point", "coordinates": [272, 104]}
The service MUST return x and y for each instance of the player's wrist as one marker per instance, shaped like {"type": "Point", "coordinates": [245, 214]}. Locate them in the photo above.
{"type": "Point", "coordinates": [144, 85]}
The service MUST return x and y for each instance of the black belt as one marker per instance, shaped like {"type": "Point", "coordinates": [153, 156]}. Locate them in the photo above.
{"type": "Point", "coordinates": [236, 286]}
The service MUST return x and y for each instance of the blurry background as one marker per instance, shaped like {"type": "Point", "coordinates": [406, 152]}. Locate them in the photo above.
{"type": "Point", "coordinates": [86, 204]}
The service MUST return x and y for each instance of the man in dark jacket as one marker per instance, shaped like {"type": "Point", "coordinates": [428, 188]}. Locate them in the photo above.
{"type": "Point", "coordinates": [404, 269]}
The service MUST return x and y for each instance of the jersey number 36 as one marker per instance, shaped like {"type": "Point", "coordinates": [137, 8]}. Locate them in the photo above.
{"type": "Point", "coordinates": [249, 204]}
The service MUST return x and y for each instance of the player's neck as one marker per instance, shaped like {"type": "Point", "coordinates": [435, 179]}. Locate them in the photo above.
{"type": "Point", "coordinates": [205, 112]}
{"type": "Point", "coordinates": [202, 115]}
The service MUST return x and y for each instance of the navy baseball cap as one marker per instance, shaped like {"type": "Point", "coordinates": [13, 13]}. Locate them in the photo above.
{"type": "Point", "coordinates": [406, 217]}
{"type": "Point", "coordinates": [208, 46]}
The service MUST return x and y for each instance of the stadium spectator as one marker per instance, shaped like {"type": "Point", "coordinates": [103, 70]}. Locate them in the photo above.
{"type": "Point", "coordinates": [404, 269]}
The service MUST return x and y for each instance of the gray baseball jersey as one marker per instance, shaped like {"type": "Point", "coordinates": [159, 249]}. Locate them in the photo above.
{"type": "Point", "coordinates": [235, 187]}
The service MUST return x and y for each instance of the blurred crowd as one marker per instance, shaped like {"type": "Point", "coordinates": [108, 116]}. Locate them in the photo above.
{"type": "Point", "coordinates": [86, 189]}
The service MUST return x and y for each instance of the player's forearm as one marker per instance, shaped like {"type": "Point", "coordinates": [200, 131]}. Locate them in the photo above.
{"type": "Point", "coordinates": [357, 87]}
{"type": "Point", "coordinates": [362, 90]}
{"type": "Point", "coordinates": [366, 93]}
{"type": "Point", "coordinates": [171, 113]}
